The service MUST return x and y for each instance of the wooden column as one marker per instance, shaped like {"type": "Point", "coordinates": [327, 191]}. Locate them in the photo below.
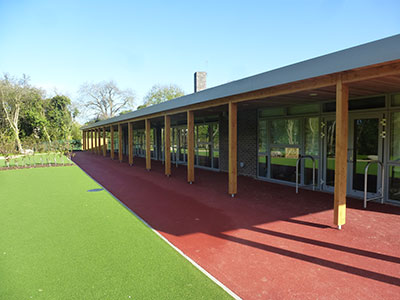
{"type": "Point", "coordinates": [130, 141]}
{"type": "Point", "coordinates": [167, 142]}
{"type": "Point", "coordinates": [112, 142]}
{"type": "Point", "coordinates": [148, 152]}
{"type": "Point", "coordinates": [232, 110]}
{"type": "Point", "coordinates": [190, 147]}
{"type": "Point", "coordinates": [83, 140]}
{"type": "Point", "coordinates": [342, 100]}
{"type": "Point", "coordinates": [99, 138]}
{"type": "Point", "coordinates": [91, 141]}
{"type": "Point", "coordinates": [104, 142]}
{"type": "Point", "coordinates": [87, 141]}
{"type": "Point", "coordinates": [120, 154]}
{"type": "Point", "coordinates": [95, 141]}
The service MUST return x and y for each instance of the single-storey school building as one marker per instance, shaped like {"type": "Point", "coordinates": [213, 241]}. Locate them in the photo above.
{"type": "Point", "coordinates": [331, 123]}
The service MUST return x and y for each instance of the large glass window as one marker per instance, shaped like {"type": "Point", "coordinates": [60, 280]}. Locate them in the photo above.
{"type": "Point", "coordinates": [207, 145]}
{"type": "Point", "coordinates": [286, 132]}
{"type": "Point", "coordinates": [311, 147]}
{"type": "Point", "coordinates": [394, 168]}
{"type": "Point", "coordinates": [395, 137]}
{"type": "Point", "coordinates": [139, 143]}
{"type": "Point", "coordinates": [394, 183]}
{"type": "Point", "coordinates": [285, 138]}
{"type": "Point", "coordinates": [330, 152]}
{"type": "Point", "coordinates": [283, 163]}
{"type": "Point", "coordinates": [215, 139]}
{"type": "Point", "coordinates": [262, 148]}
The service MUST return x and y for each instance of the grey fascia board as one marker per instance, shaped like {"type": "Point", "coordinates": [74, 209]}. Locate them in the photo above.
{"type": "Point", "coordinates": [380, 51]}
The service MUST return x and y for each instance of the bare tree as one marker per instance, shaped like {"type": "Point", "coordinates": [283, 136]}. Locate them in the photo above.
{"type": "Point", "coordinates": [105, 99]}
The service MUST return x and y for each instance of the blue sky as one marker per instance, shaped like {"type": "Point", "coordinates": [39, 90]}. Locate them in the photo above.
{"type": "Point", "coordinates": [62, 44]}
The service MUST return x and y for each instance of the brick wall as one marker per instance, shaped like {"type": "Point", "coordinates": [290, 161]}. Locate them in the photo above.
{"type": "Point", "coordinates": [247, 142]}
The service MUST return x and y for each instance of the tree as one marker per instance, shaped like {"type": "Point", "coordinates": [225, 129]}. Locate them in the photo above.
{"type": "Point", "coordinates": [33, 121]}
{"type": "Point", "coordinates": [14, 94]}
{"type": "Point", "coordinates": [161, 93]}
{"type": "Point", "coordinates": [105, 99]}
{"type": "Point", "coordinates": [59, 117]}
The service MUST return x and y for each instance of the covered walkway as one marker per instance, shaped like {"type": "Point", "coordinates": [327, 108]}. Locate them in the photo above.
{"type": "Point", "coordinates": [268, 242]}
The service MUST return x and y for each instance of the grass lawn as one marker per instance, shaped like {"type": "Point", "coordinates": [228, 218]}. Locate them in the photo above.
{"type": "Point", "coordinates": [59, 241]}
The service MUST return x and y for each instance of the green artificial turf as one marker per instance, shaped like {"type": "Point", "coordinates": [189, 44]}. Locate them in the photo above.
{"type": "Point", "coordinates": [38, 159]}
{"type": "Point", "coordinates": [59, 241]}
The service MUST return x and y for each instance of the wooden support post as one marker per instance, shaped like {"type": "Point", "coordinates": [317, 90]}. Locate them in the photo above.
{"type": "Point", "coordinates": [95, 141]}
{"type": "Point", "coordinates": [342, 102]}
{"type": "Point", "coordinates": [167, 142]}
{"type": "Point", "coordinates": [148, 152]}
{"type": "Point", "coordinates": [190, 147]}
{"type": "Point", "coordinates": [104, 142]}
{"type": "Point", "coordinates": [99, 138]}
{"type": "Point", "coordinates": [112, 142]}
{"type": "Point", "coordinates": [87, 141]}
{"type": "Point", "coordinates": [120, 154]}
{"type": "Point", "coordinates": [130, 141]}
{"type": "Point", "coordinates": [91, 141]}
{"type": "Point", "coordinates": [83, 140]}
{"type": "Point", "coordinates": [232, 148]}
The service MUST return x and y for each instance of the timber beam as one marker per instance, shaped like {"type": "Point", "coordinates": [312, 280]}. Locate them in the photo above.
{"type": "Point", "coordinates": [112, 142]}
{"type": "Point", "coordinates": [190, 147]}
{"type": "Point", "coordinates": [232, 111]}
{"type": "Point", "coordinates": [342, 99]}
{"type": "Point", "coordinates": [130, 143]}
{"type": "Point", "coordinates": [167, 142]}
{"type": "Point", "coordinates": [148, 151]}
{"type": "Point", "coordinates": [120, 154]}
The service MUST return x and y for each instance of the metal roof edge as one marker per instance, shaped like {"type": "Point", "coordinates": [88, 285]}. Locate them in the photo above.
{"type": "Point", "coordinates": [375, 52]}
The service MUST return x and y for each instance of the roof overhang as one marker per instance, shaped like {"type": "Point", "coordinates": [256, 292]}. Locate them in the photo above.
{"type": "Point", "coordinates": [368, 61]}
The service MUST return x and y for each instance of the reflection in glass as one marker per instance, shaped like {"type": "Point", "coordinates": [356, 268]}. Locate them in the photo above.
{"type": "Point", "coordinates": [394, 183]}
{"type": "Point", "coordinates": [395, 137]}
{"type": "Point", "coordinates": [366, 137]}
{"type": "Point", "coordinates": [262, 165]}
{"type": "Point", "coordinates": [262, 148]}
{"type": "Point", "coordinates": [283, 163]}
{"type": "Point", "coordinates": [204, 155]}
{"type": "Point", "coordinates": [330, 152]}
{"type": "Point", "coordinates": [285, 132]}
{"type": "Point", "coordinates": [215, 140]}
{"type": "Point", "coordinates": [311, 147]}
{"type": "Point", "coordinates": [262, 136]}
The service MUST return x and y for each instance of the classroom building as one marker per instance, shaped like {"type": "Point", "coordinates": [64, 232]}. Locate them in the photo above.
{"type": "Point", "coordinates": [320, 124]}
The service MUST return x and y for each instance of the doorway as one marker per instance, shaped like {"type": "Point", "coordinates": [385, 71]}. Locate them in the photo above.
{"type": "Point", "coordinates": [365, 145]}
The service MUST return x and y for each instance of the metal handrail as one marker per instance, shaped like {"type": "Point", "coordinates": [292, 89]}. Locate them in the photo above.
{"type": "Point", "coordinates": [297, 171]}
{"type": "Point", "coordinates": [366, 182]}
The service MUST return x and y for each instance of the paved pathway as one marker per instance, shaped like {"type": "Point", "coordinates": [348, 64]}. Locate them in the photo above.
{"type": "Point", "coordinates": [268, 242]}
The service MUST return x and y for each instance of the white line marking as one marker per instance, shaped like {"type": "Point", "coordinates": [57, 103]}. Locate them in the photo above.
{"type": "Point", "coordinates": [215, 280]}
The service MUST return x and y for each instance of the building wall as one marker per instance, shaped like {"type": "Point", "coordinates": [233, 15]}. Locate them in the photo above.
{"type": "Point", "coordinates": [247, 143]}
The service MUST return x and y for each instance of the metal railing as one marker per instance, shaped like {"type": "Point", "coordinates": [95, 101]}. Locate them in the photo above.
{"type": "Point", "coordinates": [382, 194]}
{"type": "Point", "coordinates": [297, 171]}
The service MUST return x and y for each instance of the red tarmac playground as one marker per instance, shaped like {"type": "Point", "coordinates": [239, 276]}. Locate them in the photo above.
{"type": "Point", "coordinates": [267, 242]}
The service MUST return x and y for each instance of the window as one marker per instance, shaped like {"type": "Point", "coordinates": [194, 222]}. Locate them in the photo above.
{"type": "Point", "coordinates": [395, 137]}
{"type": "Point", "coordinates": [262, 148]}
{"type": "Point", "coordinates": [286, 132]}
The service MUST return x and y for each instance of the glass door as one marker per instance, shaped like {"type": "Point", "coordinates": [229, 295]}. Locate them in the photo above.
{"type": "Point", "coordinates": [365, 146]}
{"type": "Point", "coordinates": [328, 134]}
{"type": "Point", "coordinates": [393, 168]}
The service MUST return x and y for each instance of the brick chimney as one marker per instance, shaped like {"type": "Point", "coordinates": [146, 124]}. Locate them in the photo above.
{"type": "Point", "coordinates": [200, 81]}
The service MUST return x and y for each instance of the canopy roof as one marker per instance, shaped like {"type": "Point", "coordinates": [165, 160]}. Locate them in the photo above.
{"type": "Point", "coordinates": [377, 52]}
